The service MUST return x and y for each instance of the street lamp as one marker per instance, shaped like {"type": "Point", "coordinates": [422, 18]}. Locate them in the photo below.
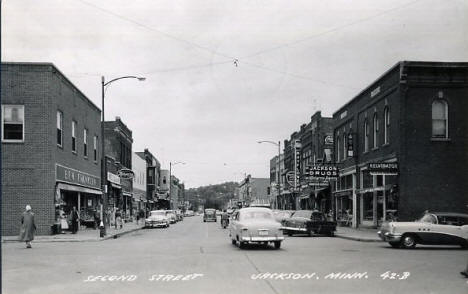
{"type": "Point", "coordinates": [103, 155]}
{"type": "Point", "coordinates": [170, 176]}
{"type": "Point", "coordinates": [278, 184]}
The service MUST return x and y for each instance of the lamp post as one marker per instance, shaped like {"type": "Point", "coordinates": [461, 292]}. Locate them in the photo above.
{"type": "Point", "coordinates": [103, 155]}
{"type": "Point", "coordinates": [170, 177]}
{"type": "Point", "coordinates": [278, 184]}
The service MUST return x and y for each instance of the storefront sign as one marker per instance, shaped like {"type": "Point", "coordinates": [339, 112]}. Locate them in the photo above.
{"type": "Point", "coordinates": [113, 178]}
{"type": "Point", "coordinates": [328, 140]}
{"type": "Point", "coordinates": [73, 176]}
{"type": "Point", "coordinates": [383, 168]}
{"type": "Point", "coordinates": [375, 92]}
{"type": "Point", "coordinates": [126, 173]}
{"type": "Point", "coordinates": [323, 171]}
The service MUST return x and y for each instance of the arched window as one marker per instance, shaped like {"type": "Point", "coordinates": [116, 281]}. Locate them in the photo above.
{"type": "Point", "coordinates": [439, 119]}
{"type": "Point", "coordinates": [366, 136]}
{"type": "Point", "coordinates": [376, 131]}
{"type": "Point", "coordinates": [387, 125]}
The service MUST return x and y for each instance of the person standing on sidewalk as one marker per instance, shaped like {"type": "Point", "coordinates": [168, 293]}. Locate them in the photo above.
{"type": "Point", "coordinates": [74, 220]}
{"type": "Point", "coordinates": [118, 219]}
{"type": "Point", "coordinates": [28, 226]}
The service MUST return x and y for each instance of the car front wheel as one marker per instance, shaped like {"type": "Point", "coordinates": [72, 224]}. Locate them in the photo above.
{"type": "Point", "coordinates": [408, 241]}
{"type": "Point", "coordinates": [277, 244]}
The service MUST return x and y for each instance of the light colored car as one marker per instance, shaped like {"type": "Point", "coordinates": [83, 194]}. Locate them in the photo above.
{"type": "Point", "coordinates": [189, 213]}
{"type": "Point", "coordinates": [209, 215]}
{"type": "Point", "coordinates": [434, 228]}
{"type": "Point", "coordinates": [172, 216]}
{"type": "Point", "coordinates": [255, 225]}
{"type": "Point", "coordinates": [157, 218]}
{"type": "Point", "coordinates": [281, 215]}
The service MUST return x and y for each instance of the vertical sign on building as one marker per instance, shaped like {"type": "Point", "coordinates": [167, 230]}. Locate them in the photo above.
{"type": "Point", "coordinates": [350, 145]}
{"type": "Point", "coordinates": [297, 161]}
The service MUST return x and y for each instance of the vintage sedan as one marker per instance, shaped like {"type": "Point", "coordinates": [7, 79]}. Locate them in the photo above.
{"type": "Point", "coordinates": [433, 228]}
{"type": "Point", "coordinates": [308, 222]}
{"type": "Point", "coordinates": [255, 225]}
{"type": "Point", "coordinates": [172, 216]}
{"type": "Point", "coordinates": [157, 218]}
{"type": "Point", "coordinates": [209, 215]}
{"type": "Point", "coordinates": [281, 215]}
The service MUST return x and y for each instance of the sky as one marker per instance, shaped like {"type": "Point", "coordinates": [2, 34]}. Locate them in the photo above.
{"type": "Point", "coordinates": [222, 75]}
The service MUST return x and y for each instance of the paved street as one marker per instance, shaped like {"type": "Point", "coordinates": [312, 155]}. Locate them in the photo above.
{"type": "Point", "coordinates": [196, 257]}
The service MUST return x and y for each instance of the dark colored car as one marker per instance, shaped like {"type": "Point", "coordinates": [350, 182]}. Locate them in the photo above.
{"type": "Point", "coordinates": [308, 222]}
{"type": "Point", "coordinates": [209, 215]}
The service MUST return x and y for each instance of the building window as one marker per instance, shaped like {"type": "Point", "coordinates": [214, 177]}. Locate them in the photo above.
{"type": "Point", "coordinates": [95, 146]}
{"type": "Point", "coordinates": [376, 131]}
{"type": "Point", "coordinates": [13, 123]}
{"type": "Point", "coordinates": [338, 148]}
{"type": "Point", "coordinates": [59, 128]}
{"type": "Point", "coordinates": [344, 146]}
{"type": "Point", "coordinates": [366, 136]}
{"type": "Point", "coordinates": [85, 143]}
{"type": "Point", "coordinates": [73, 136]}
{"type": "Point", "coordinates": [387, 125]}
{"type": "Point", "coordinates": [439, 119]}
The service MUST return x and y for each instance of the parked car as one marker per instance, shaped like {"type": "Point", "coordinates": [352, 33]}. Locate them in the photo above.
{"type": "Point", "coordinates": [308, 222]}
{"type": "Point", "coordinates": [209, 215]}
{"type": "Point", "coordinates": [255, 225]}
{"type": "Point", "coordinates": [172, 216]}
{"type": "Point", "coordinates": [281, 215]}
{"type": "Point", "coordinates": [433, 228]}
{"type": "Point", "coordinates": [157, 218]}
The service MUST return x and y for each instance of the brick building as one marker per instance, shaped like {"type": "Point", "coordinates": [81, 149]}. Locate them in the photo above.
{"type": "Point", "coordinates": [153, 179]}
{"type": "Point", "coordinates": [118, 148]}
{"type": "Point", "coordinates": [50, 152]}
{"type": "Point", "coordinates": [254, 190]}
{"type": "Point", "coordinates": [401, 144]}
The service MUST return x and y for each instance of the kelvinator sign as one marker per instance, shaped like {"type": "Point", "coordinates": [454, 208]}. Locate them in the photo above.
{"type": "Point", "coordinates": [383, 168]}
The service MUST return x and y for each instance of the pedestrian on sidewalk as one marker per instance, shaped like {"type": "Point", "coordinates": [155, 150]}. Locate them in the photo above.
{"type": "Point", "coordinates": [28, 226]}
{"type": "Point", "coordinates": [118, 219]}
{"type": "Point", "coordinates": [74, 220]}
{"type": "Point", "coordinates": [97, 218]}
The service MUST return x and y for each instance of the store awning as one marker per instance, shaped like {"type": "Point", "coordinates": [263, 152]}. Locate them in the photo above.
{"type": "Point", "coordinates": [68, 187]}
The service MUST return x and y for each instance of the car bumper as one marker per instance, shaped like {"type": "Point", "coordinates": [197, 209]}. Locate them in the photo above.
{"type": "Point", "coordinates": [294, 229]}
{"type": "Point", "coordinates": [156, 224]}
{"type": "Point", "coordinates": [389, 237]}
{"type": "Point", "coordinates": [262, 239]}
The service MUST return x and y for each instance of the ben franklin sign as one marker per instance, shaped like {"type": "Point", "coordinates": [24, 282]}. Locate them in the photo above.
{"type": "Point", "coordinates": [383, 168]}
{"type": "Point", "coordinates": [73, 176]}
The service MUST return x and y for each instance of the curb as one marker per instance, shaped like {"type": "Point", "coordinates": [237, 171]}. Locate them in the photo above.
{"type": "Point", "coordinates": [114, 236]}
{"type": "Point", "coordinates": [357, 238]}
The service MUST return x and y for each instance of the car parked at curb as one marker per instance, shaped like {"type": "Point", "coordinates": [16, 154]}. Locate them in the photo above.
{"type": "Point", "coordinates": [433, 228]}
{"type": "Point", "coordinates": [255, 225]}
{"type": "Point", "coordinates": [157, 218]}
{"type": "Point", "coordinates": [281, 215]}
{"type": "Point", "coordinates": [172, 216]}
{"type": "Point", "coordinates": [308, 222]}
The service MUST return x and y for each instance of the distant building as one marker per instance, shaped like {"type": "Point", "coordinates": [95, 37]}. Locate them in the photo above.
{"type": "Point", "coordinates": [51, 155]}
{"type": "Point", "coordinates": [163, 193]}
{"type": "Point", "coordinates": [276, 181]}
{"type": "Point", "coordinates": [401, 144]}
{"type": "Point", "coordinates": [139, 181]}
{"type": "Point", "coordinates": [153, 178]}
{"type": "Point", "coordinates": [254, 190]}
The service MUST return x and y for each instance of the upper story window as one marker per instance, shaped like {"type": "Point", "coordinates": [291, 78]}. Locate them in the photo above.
{"type": "Point", "coordinates": [366, 136]}
{"type": "Point", "coordinates": [59, 128]}
{"type": "Point", "coordinates": [73, 136]}
{"type": "Point", "coordinates": [85, 143]}
{"type": "Point", "coordinates": [95, 146]}
{"type": "Point", "coordinates": [387, 125]}
{"type": "Point", "coordinates": [439, 119]}
{"type": "Point", "coordinates": [344, 146]}
{"type": "Point", "coordinates": [376, 131]}
{"type": "Point", "coordinates": [12, 123]}
{"type": "Point", "coordinates": [338, 148]}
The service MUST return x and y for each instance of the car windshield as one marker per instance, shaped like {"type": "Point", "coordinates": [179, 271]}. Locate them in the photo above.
{"type": "Point", "coordinates": [256, 215]}
{"type": "Point", "coordinates": [318, 216]}
{"type": "Point", "coordinates": [428, 218]}
{"type": "Point", "coordinates": [302, 213]}
{"type": "Point", "coordinates": [209, 211]}
{"type": "Point", "coordinates": [163, 213]}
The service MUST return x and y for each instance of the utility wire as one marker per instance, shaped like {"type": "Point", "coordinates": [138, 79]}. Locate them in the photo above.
{"type": "Point", "coordinates": [139, 24]}
{"type": "Point", "coordinates": [332, 30]}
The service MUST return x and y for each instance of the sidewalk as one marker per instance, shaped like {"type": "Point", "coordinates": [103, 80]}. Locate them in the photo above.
{"type": "Point", "coordinates": [84, 235]}
{"type": "Point", "coordinates": [359, 234]}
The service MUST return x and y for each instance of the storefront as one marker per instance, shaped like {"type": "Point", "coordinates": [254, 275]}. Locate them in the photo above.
{"type": "Point", "coordinates": [78, 189]}
{"type": "Point", "coordinates": [114, 196]}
